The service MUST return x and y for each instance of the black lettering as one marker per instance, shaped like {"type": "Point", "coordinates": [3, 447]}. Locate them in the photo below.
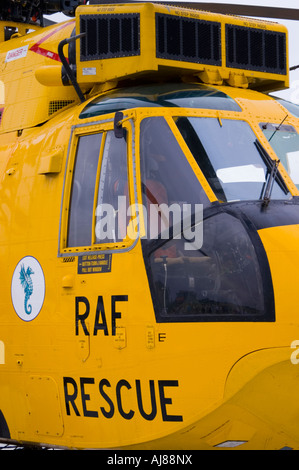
{"type": "Point", "coordinates": [153, 413]}
{"type": "Point", "coordinates": [114, 314]}
{"type": "Point", "coordinates": [85, 397]}
{"type": "Point", "coordinates": [161, 337]}
{"type": "Point", "coordinates": [70, 398]}
{"type": "Point", "coordinates": [120, 384]}
{"type": "Point", "coordinates": [82, 317]}
{"type": "Point", "coordinates": [110, 413]}
{"type": "Point", "coordinates": [167, 401]}
{"type": "Point", "coordinates": [71, 390]}
{"type": "Point", "coordinates": [103, 325]}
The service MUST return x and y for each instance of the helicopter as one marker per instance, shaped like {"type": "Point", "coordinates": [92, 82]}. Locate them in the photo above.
{"type": "Point", "coordinates": [149, 227]}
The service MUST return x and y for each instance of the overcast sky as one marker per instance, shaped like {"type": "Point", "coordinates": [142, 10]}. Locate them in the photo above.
{"type": "Point", "coordinates": [291, 94]}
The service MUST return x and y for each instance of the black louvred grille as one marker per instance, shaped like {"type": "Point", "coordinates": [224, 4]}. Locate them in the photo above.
{"type": "Point", "coordinates": [109, 36]}
{"type": "Point", "coordinates": [188, 39]}
{"type": "Point", "coordinates": [256, 49]}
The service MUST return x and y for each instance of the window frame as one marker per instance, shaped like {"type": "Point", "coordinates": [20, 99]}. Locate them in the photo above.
{"type": "Point", "coordinates": [78, 131]}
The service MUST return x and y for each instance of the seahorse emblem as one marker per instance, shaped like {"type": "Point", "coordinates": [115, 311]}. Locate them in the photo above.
{"type": "Point", "coordinates": [27, 284]}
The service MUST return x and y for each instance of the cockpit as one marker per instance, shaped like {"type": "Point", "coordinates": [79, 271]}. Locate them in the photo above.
{"type": "Point", "coordinates": [190, 178]}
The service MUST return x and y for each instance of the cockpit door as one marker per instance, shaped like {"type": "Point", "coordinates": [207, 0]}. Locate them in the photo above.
{"type": "Point", "coordinates": [99, 190]}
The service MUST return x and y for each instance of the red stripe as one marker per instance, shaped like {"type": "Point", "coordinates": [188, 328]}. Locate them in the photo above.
{"type": "Point", "coordinates": [44, 52]}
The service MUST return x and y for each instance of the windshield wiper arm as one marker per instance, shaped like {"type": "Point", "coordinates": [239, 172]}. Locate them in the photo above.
{"type": "Point", "coordinates": [270, 182]}
{"type": "Point", "coordinates": [274, 174]}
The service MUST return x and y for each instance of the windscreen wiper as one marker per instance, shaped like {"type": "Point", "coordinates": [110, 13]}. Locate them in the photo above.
{"type": "Point", "coordinates": [274, 174]}
{"type": "Point", "coordinates": [270, 182]}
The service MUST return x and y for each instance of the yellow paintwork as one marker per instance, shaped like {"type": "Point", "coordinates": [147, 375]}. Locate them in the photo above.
{"type": "Point", "coordinates": [221, 381]}
{"type": "Point", "coordinates": [23, 93]}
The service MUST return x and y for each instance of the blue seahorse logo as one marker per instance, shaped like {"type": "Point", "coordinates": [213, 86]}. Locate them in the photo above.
{"type": "Point", "coordinates": [27, 284]}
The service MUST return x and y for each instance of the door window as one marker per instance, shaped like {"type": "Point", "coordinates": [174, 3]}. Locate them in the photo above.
{"type": "Point", "coordinates": [113, 192]}
{"type": "Point", "coordinates": [99, 195]}
{"type": "Point", "coordinates": [83, 188]}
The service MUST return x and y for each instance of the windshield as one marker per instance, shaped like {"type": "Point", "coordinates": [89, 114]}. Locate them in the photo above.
{"type": "Point", "coordinates": [230, 157]}
{"type": "Point", "coordinates": [285, 143]}
{"type": "Point", "coordinates": [165, 95]}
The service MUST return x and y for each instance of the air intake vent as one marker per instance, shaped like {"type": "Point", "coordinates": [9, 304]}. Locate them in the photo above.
{"type": "Point", "coordinates": [188, 40]}
{"type": "Point", "coordinates": [109, 36]}
{"type": "Point", "coordinates": [256, 49]}
{"type": "Point", "coordinates": [139, 40]}
{"type": "Point", "coordinates": [57, 105]}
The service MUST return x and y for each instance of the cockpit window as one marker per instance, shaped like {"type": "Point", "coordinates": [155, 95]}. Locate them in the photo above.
{"type": "Point", "coordinates": [227, 279]}
{"type": "Point", "coordinates": [284, 140]}
{"type": "Point", "coordinates": [99, 200]}
{"type": "Point", "coordinates": [230, 157]}
{"type": "Point", "coordinates": [111, 217]}
{"type": "Point", "coordinates": [169, 183]}
{"type": "Point", "coordinates": [167, 95]}
{"type": "Point", "coordinates": [83, 187]}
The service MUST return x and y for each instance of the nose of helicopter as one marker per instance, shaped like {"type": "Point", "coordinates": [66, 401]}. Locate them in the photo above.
{"type": "Point", "coordinates": [282, 248]}
{"type": "Point", "coordinates": [265, 383]}
{"type": "Point", "coordinates": [260, 405]}
{"type": "Point", "coordinates": [260, 409]}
